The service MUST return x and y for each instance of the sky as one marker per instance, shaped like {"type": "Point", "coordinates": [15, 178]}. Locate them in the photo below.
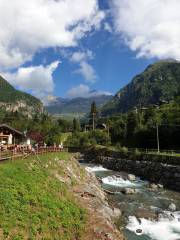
{"type": "Point", "coordinates": [77, 48]}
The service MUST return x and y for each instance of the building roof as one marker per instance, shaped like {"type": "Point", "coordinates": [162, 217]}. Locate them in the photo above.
{"type": "Point", "coordinates": [11, 128]}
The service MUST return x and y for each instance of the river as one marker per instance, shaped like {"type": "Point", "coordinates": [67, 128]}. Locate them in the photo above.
{"type": "Point", "coordinates": [145, 214]}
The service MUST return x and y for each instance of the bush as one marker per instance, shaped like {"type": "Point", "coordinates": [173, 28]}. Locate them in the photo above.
{"type": "Point", "coordinates": [78, 140]}
{"type": "Point", "coordinates": [124, 150]}
{"type": "Point", "coordinates": [86, 139]}
{"type": "Point", "coordinates": [137, 152]}
{"type": "Point", "coordinates": [100, 137]}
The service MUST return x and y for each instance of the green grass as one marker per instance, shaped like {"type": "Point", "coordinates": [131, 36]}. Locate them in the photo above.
{"type": "Point", "coordinates": [34, 204]}
{"type": "Point", "coordinates": [165, 154]}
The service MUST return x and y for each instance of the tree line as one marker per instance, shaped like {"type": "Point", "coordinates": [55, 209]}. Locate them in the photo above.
{"type": "Point", "coordinates": [134, 129]}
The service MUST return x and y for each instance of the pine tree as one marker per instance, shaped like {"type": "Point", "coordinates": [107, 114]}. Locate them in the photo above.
{"type": "Point", "coordinates": [93, 114]}
{"type": "Point", "coordinates": [76, 125]}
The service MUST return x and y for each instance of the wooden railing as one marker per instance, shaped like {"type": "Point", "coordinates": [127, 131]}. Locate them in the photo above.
{"type": "Point", "coordinates": [22, 152]}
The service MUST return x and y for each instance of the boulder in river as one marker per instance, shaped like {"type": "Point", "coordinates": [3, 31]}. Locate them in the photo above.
{"type": "Point", "coordinates": [145, 213]}
{"type": "Point", "coordinates": [131, 177]}
{"type": "Point", "coordinates": [172, 207]}
{"type": "Point", "coordinates": [129, 191]}
{"type": "Point", "coordinates": [153, 186]}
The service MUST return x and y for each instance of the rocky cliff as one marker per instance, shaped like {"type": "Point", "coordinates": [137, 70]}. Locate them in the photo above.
{"type": "Point", "coordinates": [12, 100]}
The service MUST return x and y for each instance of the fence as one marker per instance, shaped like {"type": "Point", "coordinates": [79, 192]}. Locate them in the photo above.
{"type": "Point", "coordinates": [155, 151]}
{"type": "Point", "coordinates": [11, 154]}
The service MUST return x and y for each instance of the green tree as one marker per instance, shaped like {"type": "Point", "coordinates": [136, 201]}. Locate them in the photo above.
{"type": "Point", "coordinates": [94, 110]}
{"type": "Point", "coordinates": [76, 125]}
{"type": "Point", "coordinates": [93, 115]}
{"type": "Point", "coordinates": [132, 123]}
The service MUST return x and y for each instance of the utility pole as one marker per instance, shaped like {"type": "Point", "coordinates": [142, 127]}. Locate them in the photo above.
{"type": "Point", "coordinates": [157, 132]}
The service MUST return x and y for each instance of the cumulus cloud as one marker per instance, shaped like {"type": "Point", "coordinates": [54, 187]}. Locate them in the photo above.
{"type": "Point", "coordinates": [150, 27]}
{"type": "Point", "coordinates": [80, 56]}
{"type": "Point", "coordinates": [85, 92]}
{"type": "Point", "coordinates": [37, 79]}
{"type": "Point", "coordinates": [85, 68]}
{"type": "Point", "coordinates": [29, 26]}
{"type": "Point", "coordinates": [87, 71]}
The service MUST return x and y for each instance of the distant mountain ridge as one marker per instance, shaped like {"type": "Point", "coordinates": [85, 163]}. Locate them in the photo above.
{"type": "Point", "coordinates": [160, 82]}
{"type": "Point", "coordinates": [76, 105]}
{"type": "Point", "coordinates": [15, 100]}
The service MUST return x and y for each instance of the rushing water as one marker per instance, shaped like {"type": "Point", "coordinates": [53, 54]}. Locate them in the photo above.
{"type": "Point", "coordinates": [145, 214]}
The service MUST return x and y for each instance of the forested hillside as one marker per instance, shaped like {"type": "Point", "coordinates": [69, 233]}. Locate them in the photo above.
{"type": "Point", "coordinates": [159, 83]}
{"type": "Point", "coordinates": [14, 100]}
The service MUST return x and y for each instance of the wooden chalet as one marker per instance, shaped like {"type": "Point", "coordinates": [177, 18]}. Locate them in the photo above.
{"type": "Point", "coordinates": [9, 135]}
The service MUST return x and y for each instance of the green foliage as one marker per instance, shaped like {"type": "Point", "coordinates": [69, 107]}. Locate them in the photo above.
{"type": "Point", "coordinates": [86, 139]}
{"type": "Point", "coordinates": [94, 110]}
{"type": "Point", "coordinates": [76, 125]}
{"type": "Point", "coordinates": [34, 204]}
{"type": "Point", "coordinates": [138, 128]}
{"type": "Point", "coordinates": [9, 95]}
{"type": "Point", "coordinates": [159, 82]}
{"type": "Point", "coordinates": [43, 126]}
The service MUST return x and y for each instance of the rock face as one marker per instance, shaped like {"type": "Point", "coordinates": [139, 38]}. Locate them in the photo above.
{"type": "Point", "coordinates": [12, 100]}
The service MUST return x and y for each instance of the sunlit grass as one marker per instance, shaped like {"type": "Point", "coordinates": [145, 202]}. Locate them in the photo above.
{"type": "Point", "coordinates": [34, 204]}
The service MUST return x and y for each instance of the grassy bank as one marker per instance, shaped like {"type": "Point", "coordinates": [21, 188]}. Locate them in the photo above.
{"type": "Point", "coordinates": [34, 204]}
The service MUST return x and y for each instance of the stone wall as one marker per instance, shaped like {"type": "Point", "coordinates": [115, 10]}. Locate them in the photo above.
{"type": "Point", "coordinates": [155, 168]}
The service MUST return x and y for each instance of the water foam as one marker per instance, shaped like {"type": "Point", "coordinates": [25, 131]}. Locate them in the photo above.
{"type": "Point", "coordinates": [120, 182]}
{"type": "Point", "coordinates": [166, 228]}
{"type": "Point", "coordinates": [96, 169]}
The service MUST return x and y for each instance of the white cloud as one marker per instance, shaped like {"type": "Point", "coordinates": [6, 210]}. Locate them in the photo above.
{"type": "Point", "coordinates": [37, 79]}
{"type": "Point", "coordinates": [107, 27]}
{"type": "Point", "coordinates": [85, 92]}
{"type": "Point", "coordinates": [85, 68]}
{"type": "Point", "coordinates": [81, 56]}
{"type": "Point", "coordinates": [87, 71]}
{"type": "Point", "coordinates": [150, 27]}
{"type": "Point", "coordinates": [29, 26]}
{"type": "Point", "coordinates": [49, 100]}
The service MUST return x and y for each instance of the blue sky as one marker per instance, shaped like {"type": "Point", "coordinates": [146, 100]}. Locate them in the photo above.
{"type": "Point", "coordinates": [114, 63]}
{"type": "Point", "coordinates": [63, 48]}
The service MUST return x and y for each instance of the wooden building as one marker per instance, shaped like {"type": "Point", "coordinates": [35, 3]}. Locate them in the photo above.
{"type": "Point", "coordinates": [10, 136]}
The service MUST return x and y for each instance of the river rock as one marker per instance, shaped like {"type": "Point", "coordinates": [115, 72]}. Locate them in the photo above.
{"type": "Point", "coordinates": [131, 177]}
{"type": "Point", "coordinates": [145, 213]}
{"type": "Point", "coordinates": [172, 207]}
{"type": "Point", "coordinates": [129, 191]}
{"type": "Point", "coordinates": [153, 186]}
{"type": "Point", "coordinates": [110, 213]}
{"type": "Point", "coordinates": [160, 186]}
{"type": "Point", "coordinates": [117, 213]}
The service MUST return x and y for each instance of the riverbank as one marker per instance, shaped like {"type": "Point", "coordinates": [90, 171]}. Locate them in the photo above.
{"type": "Point", "coordinates": [146, 211]}
{"type": "Point", "coordinates": [52, 197]}
{"type": "Point", "coordinates": [159, 169]}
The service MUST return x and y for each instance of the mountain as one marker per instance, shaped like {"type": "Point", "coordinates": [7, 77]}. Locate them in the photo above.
{"type": "Point", "coordinates": [76, 105]}
{"type": "Point", "coordinates": [160, 82]}
{"type": "Point", "coordinates": [15, 100]}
